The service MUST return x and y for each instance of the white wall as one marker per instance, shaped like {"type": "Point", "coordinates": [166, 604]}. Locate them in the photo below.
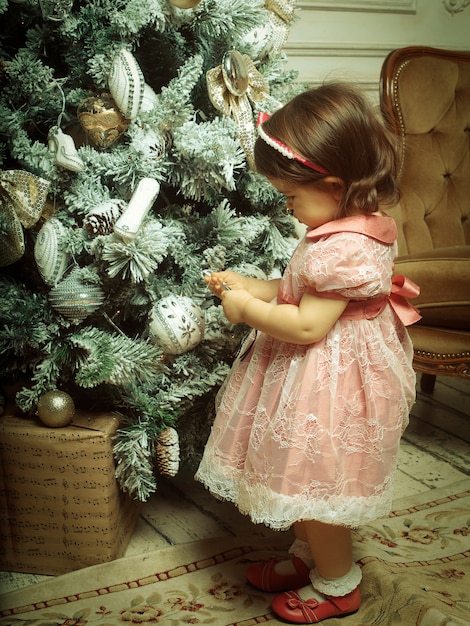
{"type": "Point", "coordinates": [348, 39]}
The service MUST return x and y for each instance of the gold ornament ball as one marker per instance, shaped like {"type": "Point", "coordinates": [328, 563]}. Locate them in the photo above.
{"type": "Point", "coordinates": [56, 409]}
{"type": "Point", "coordinates": [185, 4]}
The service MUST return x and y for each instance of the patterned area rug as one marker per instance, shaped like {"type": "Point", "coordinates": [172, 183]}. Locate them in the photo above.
{"type": "Point", "coordinates": [416, 571]}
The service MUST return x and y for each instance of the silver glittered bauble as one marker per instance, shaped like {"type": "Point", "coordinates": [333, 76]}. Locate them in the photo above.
{"type": "Point", "coordinates": [176, 324]}
{"type": "Point", "coordinates": [56, 409]}
{"type": "Point", "coordinates": [76, 299]}
{"type": "Point", "coordinates": [50, 251]}
{"type": "Point", "coordinates": [250, 270]}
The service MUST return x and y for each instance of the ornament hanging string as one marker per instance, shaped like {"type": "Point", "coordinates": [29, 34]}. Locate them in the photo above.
{"type": "Point", "coordinates": [62, 144]}
{"type": "Point", "coordinates": [61, 114]}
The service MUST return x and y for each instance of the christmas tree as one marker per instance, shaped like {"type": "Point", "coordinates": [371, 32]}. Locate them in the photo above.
{"type": "Point", "coordinates": [126, 137]}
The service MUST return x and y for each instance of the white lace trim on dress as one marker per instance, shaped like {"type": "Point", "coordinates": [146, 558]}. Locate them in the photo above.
{"type": "Point", "coordinates": [279, 511]}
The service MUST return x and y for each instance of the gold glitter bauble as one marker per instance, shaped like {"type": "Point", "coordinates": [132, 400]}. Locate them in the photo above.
{"type": "Point", "coordinates": [185, 4]}
{"type": "Point", "coordinates": [56, 409]}
{"type": "Point", "coordinates": [102, 120]}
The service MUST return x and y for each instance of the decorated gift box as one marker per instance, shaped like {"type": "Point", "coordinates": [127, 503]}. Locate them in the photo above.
{"type": "Point", "coordinates": [61, 508]}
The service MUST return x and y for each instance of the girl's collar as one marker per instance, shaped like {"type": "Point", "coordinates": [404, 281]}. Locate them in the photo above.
{"type": "Point", "coordinates": [381, 228]}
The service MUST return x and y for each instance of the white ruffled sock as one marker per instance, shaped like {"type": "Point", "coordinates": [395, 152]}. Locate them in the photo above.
{"type": "Point", "coordinates": [300, 549]}
{"type": "Point", "coordinates": [337, 587]}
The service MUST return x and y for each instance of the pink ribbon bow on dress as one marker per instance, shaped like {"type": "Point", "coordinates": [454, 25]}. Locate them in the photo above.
{"type": "Point", "coordinates": [403, 288]}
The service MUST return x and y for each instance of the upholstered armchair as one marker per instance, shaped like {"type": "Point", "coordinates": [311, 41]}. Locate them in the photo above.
{"type": "Point", "coordinates": [425, 97]}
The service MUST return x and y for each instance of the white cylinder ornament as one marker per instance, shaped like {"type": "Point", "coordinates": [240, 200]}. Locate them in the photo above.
{"type": "Point", "coordinates": [128, 225]}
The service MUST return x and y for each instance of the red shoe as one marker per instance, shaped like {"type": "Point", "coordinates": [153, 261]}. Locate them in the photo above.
{"type": "Point", "coordinates": [290, 607]}
{"type": "Point", "coordinates": [263, 575]}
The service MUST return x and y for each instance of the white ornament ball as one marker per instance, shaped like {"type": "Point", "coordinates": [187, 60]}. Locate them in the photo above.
{"type": "Point", "coordinates": [258, 42]}
{"type": "Point", "coordinates": [250, 270]}
{"type": "Point", "coordinates": [149, 99]}
{"type": "Point", "coordinates": [126, 83]}
{"type": "Point", "coordinates": [176, 324]}
{"type": "Point", "coordinates": [50, 251]}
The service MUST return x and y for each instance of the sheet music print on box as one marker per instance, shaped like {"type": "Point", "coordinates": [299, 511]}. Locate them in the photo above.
{"type": "Point", "coordinates": [60, 506]}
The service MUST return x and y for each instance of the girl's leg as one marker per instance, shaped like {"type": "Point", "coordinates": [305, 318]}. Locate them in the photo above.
{"type": "Point", "coordinates": [290, 573]}
{"type": "Point", "coordinates": [328, 547]}
{"type": "Point", "coordinates": [300, 530]}
{"type": "Point", "coordinates": [335, 573]}
{"type": "Point", "coordinates": [300, 548]}
{"type": "Point", "coordinates": [331, 547]}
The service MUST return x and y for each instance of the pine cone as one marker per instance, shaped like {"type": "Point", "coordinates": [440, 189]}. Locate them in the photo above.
{"type": "Point", "coordinates": [101, 219]}
{"type": "Point", "coordinates": [168, 452]}
{"type": "Point", "coordinates": [216, 258]}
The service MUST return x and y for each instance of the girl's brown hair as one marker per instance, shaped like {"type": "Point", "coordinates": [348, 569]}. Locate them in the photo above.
{"type": "Point", "coordinates": [335, 127]}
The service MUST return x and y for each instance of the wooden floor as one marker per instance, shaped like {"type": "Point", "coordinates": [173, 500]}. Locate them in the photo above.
{"type": "Point", "coordinates": [434, 453]}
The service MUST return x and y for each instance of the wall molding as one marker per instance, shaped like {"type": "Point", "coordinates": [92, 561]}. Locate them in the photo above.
{"type": "Point", "coordinates": [334, 39]}
{"type": "Point", "coordinates": [346, 49]}
{"type": "Point", "coordinates": [367, 84]}
{"type": "Point", "coordinates": [455, 6]}
{"type": "Point", "coordinates": [380, 6]}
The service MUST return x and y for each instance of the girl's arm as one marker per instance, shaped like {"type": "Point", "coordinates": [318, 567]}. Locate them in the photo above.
{"type": "Point", "coordinates": [265, 290]}
{"type": "Point", "coordinates": [303, 324]}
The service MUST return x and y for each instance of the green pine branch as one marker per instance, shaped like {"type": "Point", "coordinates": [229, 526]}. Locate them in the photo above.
{"type": "Point", "coordinates": [113, 358]}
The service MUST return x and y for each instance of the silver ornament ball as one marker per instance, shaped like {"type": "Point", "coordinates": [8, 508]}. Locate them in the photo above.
{"type": "Point", "coordinates": [76, 299]}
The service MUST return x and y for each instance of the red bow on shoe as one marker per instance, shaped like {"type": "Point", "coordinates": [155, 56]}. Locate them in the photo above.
{"type": "Point", "coordinates": [290, 606]}
{"type": "Point", "coordinates": [305, 606]}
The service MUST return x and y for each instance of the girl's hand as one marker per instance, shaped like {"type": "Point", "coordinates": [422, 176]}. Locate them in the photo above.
{"type": "Point", "coordinates": [220, 282]}
{"type": "Point", "coordinates": [234, 302]}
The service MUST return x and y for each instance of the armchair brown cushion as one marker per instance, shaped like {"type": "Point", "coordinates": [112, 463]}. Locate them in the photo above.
{"type": "Point", "coordinates": [444, 278]}
{"type": "Point", "coordinates": [425, 98]}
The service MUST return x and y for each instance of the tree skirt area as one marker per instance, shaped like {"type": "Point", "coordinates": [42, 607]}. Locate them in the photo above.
{"type": "Point", "coordinates": [415, 563]}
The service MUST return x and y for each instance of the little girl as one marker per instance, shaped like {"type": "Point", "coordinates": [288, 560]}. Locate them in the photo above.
{"type": "Point", "coordinates": [310, 418]}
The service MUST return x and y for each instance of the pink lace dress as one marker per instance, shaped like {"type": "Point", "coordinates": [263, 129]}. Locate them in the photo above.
{"type": "Point", "coordinates": [312, 432]}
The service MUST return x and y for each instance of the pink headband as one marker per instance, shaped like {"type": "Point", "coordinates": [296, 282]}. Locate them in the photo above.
{"type": "Point", "coordinates": [282, 148]}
